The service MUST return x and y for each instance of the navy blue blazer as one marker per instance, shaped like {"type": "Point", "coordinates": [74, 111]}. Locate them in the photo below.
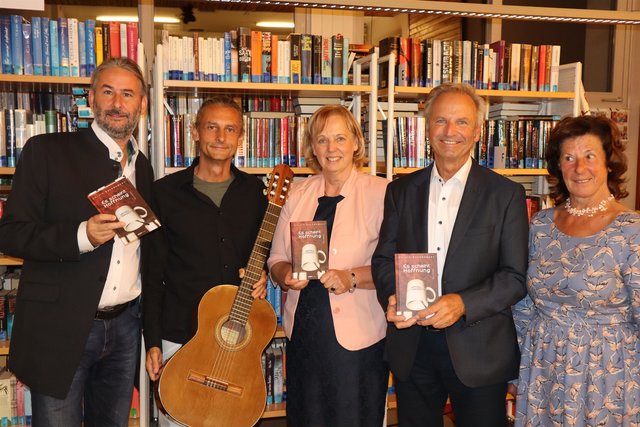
{"type": "Point", "coordinates": [486, 265]}
{"type": "Point", "coordinates": [59, 288]}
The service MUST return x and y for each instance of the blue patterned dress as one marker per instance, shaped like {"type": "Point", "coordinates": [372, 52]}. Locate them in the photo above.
{"type": "Point", "coordinates": [579, 328]}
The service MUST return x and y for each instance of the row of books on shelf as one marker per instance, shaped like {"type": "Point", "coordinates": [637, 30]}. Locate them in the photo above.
{"type": "Point", "coordinates": [15, 401]}
{"type": "Point", "coordinates": [267, 142]}
{"type": "Point", "coordinates": [17, 126]}
{"type": "Point", "coordinates": [274, 361]}
{"type": "Point", "coordinates": [498, 65]}
{"type": "Point", "coordinates": [246, 55]}
{"type": "Point", "coordinates": [62, 46]}
{"type": "Point", "coordinates": [515, 143]}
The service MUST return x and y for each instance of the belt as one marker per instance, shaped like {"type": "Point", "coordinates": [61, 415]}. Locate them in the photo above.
{"type": "Point", "coordinates": [111, 312]}
{"type": "Point", "coordinates": [432, 329]}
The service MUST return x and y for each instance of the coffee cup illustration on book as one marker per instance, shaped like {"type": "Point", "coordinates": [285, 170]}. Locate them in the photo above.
{"type": "Point", "coordinates": [312, 258]}
{"type": "Point", "coordinates": [419, 296]}
{"type": "Point", "coordinates": [133, 217]}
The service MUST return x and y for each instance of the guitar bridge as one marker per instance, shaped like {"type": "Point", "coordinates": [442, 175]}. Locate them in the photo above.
{"type": "Point", "coordinates": [211, 382]}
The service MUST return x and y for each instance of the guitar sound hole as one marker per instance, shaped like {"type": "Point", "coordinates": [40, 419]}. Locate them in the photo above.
{"type": "Point", "coordinates": [232, 333]}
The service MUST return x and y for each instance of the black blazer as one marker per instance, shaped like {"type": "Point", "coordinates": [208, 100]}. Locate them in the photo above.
{"type": "Point", "coordinates": [486, 265]}
{"type": "Point", "coordinates": [59, 287]}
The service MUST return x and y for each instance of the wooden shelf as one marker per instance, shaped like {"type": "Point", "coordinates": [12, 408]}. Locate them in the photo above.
{"type": "Point", "coordinates": [275, 411]}
{"type": "Point", "coordinates": [7, 171]}
{"type": "Point", "coordinates": [15, 78]}
{"type": "Point", "coordinates": [506, 172]}
{"type": "Point", "coordinates": [7, 260]}
{"type": "Point", "coordinates": [413, 92]}
{"type": "Point", "coordinates": [316, 90]}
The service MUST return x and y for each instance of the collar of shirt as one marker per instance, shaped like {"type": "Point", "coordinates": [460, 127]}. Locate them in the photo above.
{"type": "Point", "coordinates": [115, 152]}
{"type": "Point", "coordinates": [461, 176]}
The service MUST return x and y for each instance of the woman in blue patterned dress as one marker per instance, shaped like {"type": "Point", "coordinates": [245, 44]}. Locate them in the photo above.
{"type": "Point", "coordinates": [579, 325]}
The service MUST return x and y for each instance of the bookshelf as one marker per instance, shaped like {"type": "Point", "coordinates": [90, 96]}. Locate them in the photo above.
{"type": "Point", "coordinates": [564, 102]}
{"type": "Point", "coordinates": [163, 87]}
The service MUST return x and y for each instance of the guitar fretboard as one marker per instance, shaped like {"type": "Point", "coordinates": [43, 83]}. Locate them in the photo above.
{"type": "Point", "coordinates": [242, 304]}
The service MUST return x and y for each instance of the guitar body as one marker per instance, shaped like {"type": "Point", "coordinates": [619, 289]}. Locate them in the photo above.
{"type": "Point", "coordinates": [216, 379]}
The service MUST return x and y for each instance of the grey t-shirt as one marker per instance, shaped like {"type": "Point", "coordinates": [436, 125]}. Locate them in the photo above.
{"type": "Point", "coordinates": [213, 190]}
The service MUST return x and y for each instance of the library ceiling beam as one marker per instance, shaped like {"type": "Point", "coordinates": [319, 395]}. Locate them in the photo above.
{"type": "Point", "coordinates": [465, 10]}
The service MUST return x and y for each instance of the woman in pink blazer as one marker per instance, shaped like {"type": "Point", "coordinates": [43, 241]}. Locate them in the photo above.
{"type": "Point", "coordinates": [335, 326]}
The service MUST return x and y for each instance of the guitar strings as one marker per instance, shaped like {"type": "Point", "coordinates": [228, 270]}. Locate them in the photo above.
{"type": "Point", "coordinates": [243, 301]}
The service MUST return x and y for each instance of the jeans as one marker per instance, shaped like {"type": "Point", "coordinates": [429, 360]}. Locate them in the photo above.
{"type": "Point", "coordinates": [101, 390]}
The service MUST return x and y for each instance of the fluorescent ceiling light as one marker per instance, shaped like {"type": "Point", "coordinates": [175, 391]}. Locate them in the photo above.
{"type": "Point", "coordinates": [275, 24]}
{"type": "Point", "coordinates": [466, 10]}
{"type": "Point", "coordinates": [157, 19]}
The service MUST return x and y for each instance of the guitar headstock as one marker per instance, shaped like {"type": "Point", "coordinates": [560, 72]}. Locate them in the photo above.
{"type": "Point", "coordinates": [278, 183]}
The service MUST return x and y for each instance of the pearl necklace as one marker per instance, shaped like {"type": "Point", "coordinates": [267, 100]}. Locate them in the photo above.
{"type": "Point", "coordinates": [603, 206]}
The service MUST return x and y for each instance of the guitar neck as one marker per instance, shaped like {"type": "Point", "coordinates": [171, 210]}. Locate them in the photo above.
{"type": "Point", "coordinates": [242, 304]}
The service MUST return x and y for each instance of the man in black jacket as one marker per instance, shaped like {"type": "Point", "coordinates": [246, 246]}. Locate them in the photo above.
{"type": "Point", "coordinates": [475, 221]}
{"type": "Point", "coordinates": [211, 213]}
{"type": "Point", "coordinates": [76, 330]}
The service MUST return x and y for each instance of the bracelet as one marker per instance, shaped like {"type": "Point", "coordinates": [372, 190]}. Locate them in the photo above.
{"type": "Point", "coordinates": [353, 282]}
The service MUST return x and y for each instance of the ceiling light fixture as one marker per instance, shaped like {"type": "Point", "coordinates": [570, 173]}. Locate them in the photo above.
{"type": "Point", "coordinates": [467, 10]}
{"type": "Point", "coordinates": [275, 24]}
{"type": "Point", "coordinates": [156, 19]}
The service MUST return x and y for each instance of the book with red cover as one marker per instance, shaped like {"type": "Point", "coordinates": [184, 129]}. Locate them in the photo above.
{"type": "Point", "coordinates": [416, 282]}
{"type": "Point", "coordinates": [120, 198]}
{"type": "Point", "coordinates": [309, 249]}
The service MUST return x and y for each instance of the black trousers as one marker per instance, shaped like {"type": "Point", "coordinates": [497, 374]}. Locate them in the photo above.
{"type": "Point", "coordinates": [422, 397]}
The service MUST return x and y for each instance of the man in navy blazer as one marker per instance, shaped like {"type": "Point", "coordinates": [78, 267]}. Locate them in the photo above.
{"type": "Point", "coordinates": [463, 346]}
{"type": "Point", "coordinates": [76, 332]}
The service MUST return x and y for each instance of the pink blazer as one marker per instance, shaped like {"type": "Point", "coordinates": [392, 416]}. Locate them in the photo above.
{"type": "Point", "coordinates": [358, 319]}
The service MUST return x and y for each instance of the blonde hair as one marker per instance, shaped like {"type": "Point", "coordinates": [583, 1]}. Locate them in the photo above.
{"type": "Point", "coordinates": [317, 123]}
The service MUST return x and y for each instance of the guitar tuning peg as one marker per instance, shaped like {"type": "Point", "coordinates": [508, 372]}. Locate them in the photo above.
{"type": "Point", "coordinates": [265, 180]}
{"type": "Point", "coordinates": [285, 188]}
{"type": "Point", "coordinates": [264, 191]}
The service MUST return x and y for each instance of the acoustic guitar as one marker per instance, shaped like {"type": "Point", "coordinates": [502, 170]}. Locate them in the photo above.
{"type": "Point", "coordinates": [216, 378]}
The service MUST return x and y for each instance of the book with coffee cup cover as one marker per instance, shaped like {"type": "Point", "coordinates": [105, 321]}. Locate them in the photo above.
{"type": "Point", "coordinates": [309, 249]}
{"type": "Point", "coordinates": [416, 282]}
{"type": "Point", "coordinates": [120, 198]}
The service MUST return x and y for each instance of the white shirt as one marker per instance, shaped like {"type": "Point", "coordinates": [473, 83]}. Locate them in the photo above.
{"type": "Point", "coordinates": [444, 202]}
{"type": "Point", "coordinates": [123, 279]}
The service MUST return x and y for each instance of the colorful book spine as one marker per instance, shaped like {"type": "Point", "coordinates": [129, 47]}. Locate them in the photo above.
{"type": "Point", "coordinates": [46, 47]}
{"type": "Point", "coordinates": [338, 61]}
{"type": "Point", "coordinates": [114, 40]}
{"type": "Point", "coordinates": [132, 40]}
{"type": "Point", "coordinates": [345, 60]}
{"type": "Point", "coordinates": [256, 56]}
{"type": "Point", "coordinates": [227, 56]}
{"type": "Point", "coordinates": [27, 56]}
{"type": "Point", "coordinates": [275, 52]}
{"type": "Point", "coordinates": [327, 59]}
{"type": "Point", "coordinates": [17, 52]}
{"type": "Point", "coordinates": [295, 57]}
{"type": "Point", "coordinates": [5, 44]}
{"type": "Point", "coordinates": [266, 57]}
{"type": "Point", "coordinates": [82, 48]}
{"type": "Point", "coordinates": [99, 42]}
{"type": "Point", "coordinates": [54, 47]}
{"type": "Point", "coordinates": [74, 47]}
{"type": "Point", "coordinates": [36, 45]}
{"type": "Point", "coordinates": [316, 59]}
{"type": "Point", "coordinates": [244, 54]}
{"type": "Point", "coordinates": [63, 44]}
{"type": "Point", "coordinates": [90, 45]}
{"type": "Point", "coordinates": [306, 58]}
{"type": "Point", "coordinates": [123, 39]}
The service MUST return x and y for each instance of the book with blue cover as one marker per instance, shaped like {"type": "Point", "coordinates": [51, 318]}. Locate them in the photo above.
{"type": "Point", "coordinates": [55, 49]}
{"type": "Point", "coordinates": [5, 44]}
{"type": "Point", "coordinates": [63, 46]}
{"type": "Point", "coordinates": [17, 52]}
{"type": "Point", "coordinates": [36, 45]}
{"type": "Point", "coordinates": [46, 47]}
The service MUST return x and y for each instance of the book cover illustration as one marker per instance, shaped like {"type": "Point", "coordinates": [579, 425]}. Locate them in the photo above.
{"type": "Point", "coordinates": [416, 282]}
{"type": "Point", "coordinates": [120, 198]}
{"type": "Point", "coordinates": [309, 249]}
